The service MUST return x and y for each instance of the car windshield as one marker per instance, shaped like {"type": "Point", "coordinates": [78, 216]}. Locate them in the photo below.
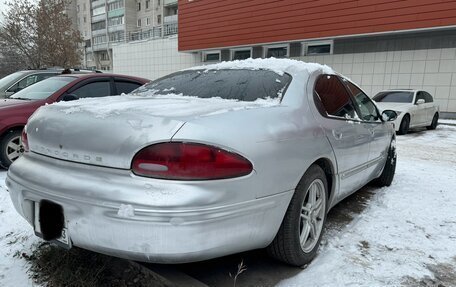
{"type": "Point", "coordinates": [10, 78]}
{"type": "Point", "coordinates": [43, 89]}
{"type": "Point", "coordinates": [243, 85]}
{"type": "Point", "coordinates": [394, 97]}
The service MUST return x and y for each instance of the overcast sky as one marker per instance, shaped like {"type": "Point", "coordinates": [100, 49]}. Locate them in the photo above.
{"type": "Point", "coordinates": [2, 8]}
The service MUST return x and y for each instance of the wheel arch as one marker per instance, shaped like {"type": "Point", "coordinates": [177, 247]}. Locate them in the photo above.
{"type": "Point", "coordinates": [328, 168]}
{"type": "Point", "coordinates": [12, 128]}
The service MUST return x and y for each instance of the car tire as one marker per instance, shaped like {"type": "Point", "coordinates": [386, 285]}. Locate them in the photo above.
{"type": "Point", "coordinates": [434, 122]}
{"type": "Point", "coordinates": [7, 151]}
{"type": "Point", "coordinates": [304, 221]}
{"type": "Point", "coordinates": [404, 126]}
{"type": "Point", "coordinates": [389, 169]}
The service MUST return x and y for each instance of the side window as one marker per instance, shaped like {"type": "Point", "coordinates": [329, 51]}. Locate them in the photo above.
{"type": "Point", "coordinates": [126, 87]}
{"type": "Point", "coordinates": [334, 98]}
{"type": "Point", "coordinates": [420, 96]}
{"type": "Point", "coordinates": [428, 97]}
{"type": "Point", "coordinates": [40, 77]}
{"type": "Point", "coordinates": [25, 82]}
{"type": "Point", "coordinates": [93, 90]}
{"type": "Point", "coordinates": [366, 107]}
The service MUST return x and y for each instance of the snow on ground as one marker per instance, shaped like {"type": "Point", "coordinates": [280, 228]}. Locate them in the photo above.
{"type": "Point", "coordinates": [406, 230]}
{"type": "Point", "coordinates": [406, 227]}
{"type": "Point", "coordinates": [16, 237]}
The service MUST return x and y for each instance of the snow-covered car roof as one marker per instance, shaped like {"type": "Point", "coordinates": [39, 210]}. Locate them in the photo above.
{"type": "Point", "coordinates": [279, 66]}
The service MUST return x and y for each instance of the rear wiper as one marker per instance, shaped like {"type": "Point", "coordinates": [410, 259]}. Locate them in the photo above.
{"type": "Point", "coordinates": [18, 98]}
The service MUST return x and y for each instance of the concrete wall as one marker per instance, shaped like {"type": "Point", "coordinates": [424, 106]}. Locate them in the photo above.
{"type": "Point", "coordinates": [433, 70]}
{"type": "Point", "coordinates": [152, 59]}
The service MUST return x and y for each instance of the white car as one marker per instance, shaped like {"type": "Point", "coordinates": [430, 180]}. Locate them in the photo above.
{"type": "Point", "coordinates": [415, 108]}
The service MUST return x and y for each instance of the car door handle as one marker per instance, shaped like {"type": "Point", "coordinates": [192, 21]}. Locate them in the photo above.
{"type": "Point", "coordinates": [337, 134]}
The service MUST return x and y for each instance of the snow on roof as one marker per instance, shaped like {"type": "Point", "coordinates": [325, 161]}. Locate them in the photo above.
{"type": "Point", "coordinates": [278, 66]}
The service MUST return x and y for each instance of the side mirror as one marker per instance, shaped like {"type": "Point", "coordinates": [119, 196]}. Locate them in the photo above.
{"type": "Point", "coordinates": [420, 102]}
{"type": "Point", "coordinates": [389, 115]}
{"type": "Point", "coordinates": [69, 97]}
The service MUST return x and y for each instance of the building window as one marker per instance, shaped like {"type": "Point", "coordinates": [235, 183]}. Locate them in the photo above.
{"type": "Point", "coordinates": [158, 2]}
{"type": "Point", "coordinates": [159, 19]}
{"type": "Point", "coordinates": [139, 6]}
{"type": "Point", "coordinates": [318, 48]}
{"type": "Point", "coordinates": [116, 21]}
{"type": "Point", "coordinates": [147, 21]}
{"type": "Point", "coordinates": [280, 51]}
{"type": "Point", "coordinates": [77, 8]}
{"type": "Point", "coordinates": [85, 19]}
{"type": "Point", "coordinates": [98, 11]}
{"type": "Point", "coordinates": [98, 26]}
{"type": "Point", "coordinates": [117, 36]}
{"type": "Point", "coordinates": [99, 39]}
{"type": "Point", "coordinates": [84, 7]}
{"type": "Point", "coordinates": [210, 56]}
{"type": "Point", "coordinates": [115, 5]}
{"type": "Point", "coordinates": [241, 54]}
{"type": "Point", "coordinates": [139, 22]}
{"type": "Point", "coordinates": [104, 56]}
{"type": "Point", "coordinates": [147, 4]}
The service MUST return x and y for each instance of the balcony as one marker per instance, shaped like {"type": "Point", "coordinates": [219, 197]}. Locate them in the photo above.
{"type": "Point", "coordinates": [98, 32]}
{"type": "Point", "coordinates": [170, 3]}
{"type": "Point", "coordinates": [98, 3]}
{"type": "Point", "coordinates": [170, 29]}
{"type": "Point", "coordinates": [170, 19]}
{"type": "Point", "coordinates": [98, 18]}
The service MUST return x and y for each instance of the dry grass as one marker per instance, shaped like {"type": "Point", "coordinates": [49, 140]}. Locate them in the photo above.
{"type": "Point", "coordinates": [53, 266]}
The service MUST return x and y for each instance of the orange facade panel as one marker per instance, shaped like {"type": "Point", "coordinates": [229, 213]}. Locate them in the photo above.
{"type": "Point", "coordinates": [206, 24]}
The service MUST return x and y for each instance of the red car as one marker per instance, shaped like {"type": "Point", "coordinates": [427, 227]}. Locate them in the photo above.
{"type": "Point", "coordinates": [15, 111]}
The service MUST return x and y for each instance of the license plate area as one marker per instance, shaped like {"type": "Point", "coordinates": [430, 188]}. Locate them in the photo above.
{"type": "Point", "coordinates": [50, 223]}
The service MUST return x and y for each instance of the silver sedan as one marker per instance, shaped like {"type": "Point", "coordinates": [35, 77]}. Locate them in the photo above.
{"type": "Point", "coordinates": [203, 163]}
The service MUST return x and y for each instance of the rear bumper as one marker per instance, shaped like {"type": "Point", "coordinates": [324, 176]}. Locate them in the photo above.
{"type": "Point", "coordinates": [172, 223]}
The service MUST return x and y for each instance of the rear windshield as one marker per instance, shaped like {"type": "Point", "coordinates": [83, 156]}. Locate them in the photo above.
{"type": "Point", "coordinates": [243, 85]}
{"type": "Point", "coordinates": [394, 97]}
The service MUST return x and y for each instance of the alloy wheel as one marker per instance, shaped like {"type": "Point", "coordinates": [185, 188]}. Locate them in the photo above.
{"type": "Point", "coordinates": [312, 215]}
{"type": "Point", "coordinates": [14, 148]}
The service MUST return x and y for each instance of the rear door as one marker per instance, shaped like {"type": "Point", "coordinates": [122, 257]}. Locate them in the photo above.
{"type": "Point", "coordinates": [125, 86]}
{"type": "Point", "coordinates": [378, 129]}
{"type": "Point", "coordinates": [419, 117]}
{"type": "Point", "coordinates": [92, 88]}
{"type": "Point", "coordinates": [430, 107]}
{"type": "Point", "coordinates": [348, 137]}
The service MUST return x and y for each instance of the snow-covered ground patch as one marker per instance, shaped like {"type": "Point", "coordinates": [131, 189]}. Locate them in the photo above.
{"type": "Point", "coordinates": [407, 228]}
{"type": "Point", "coordinates": [16, 237]}
{"type": "Point", "coordinates": [406, 234]}
{"type": "Point", "coordinates": [447, 121]}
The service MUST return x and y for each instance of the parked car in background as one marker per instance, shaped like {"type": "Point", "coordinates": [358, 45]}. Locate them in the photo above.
{"type": "Point", "coordinates": [15, 82]}
{"type": "Point", "coordinates": [415, 108]}
{"type": "Point", "coordinates": [15, 111]}
{"type": "Point", "coordinates": [203, 163]}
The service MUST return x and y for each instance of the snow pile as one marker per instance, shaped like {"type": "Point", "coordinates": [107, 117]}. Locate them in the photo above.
{"type": "Point", "coordinates": [126, 210]}
{"type": "Point", "coordinates": [16, 237]}
{"type": "Point", "coordinates": [279, 66]}
{"type": "Point", "coordinates": [148, 103]}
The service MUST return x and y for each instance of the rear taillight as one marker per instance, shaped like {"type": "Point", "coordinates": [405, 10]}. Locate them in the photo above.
{"type": "Point", "coordinates": [189, 161]}
{"type": "Point", "coordinates": [24, 139]}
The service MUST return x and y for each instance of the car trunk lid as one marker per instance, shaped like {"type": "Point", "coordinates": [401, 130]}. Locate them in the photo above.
{"type": "Point", "coordinates": [110, 131]}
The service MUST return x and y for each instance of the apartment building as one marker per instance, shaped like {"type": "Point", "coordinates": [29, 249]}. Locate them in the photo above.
{"type": "Point", "coordinates": [106, 23]}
